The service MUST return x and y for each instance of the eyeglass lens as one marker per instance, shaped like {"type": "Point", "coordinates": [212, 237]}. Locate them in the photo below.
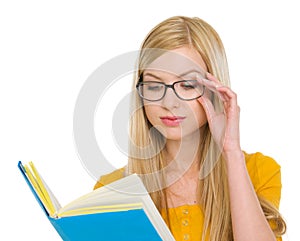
{"type": "Point", "coordinates": [185, 89]}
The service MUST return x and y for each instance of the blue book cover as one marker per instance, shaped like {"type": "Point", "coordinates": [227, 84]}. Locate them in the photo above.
{"type": "Point", "coordinates": [124, 225]}
{"type": "Point", "coordinates": [107, 220]}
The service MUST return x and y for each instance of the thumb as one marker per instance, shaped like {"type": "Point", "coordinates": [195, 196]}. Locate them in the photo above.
{"type": "Point", "coordinates": [208, 107]}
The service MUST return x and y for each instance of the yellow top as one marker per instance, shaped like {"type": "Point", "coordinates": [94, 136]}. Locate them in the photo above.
{"type": "Point", "coordinates": [186, 222]}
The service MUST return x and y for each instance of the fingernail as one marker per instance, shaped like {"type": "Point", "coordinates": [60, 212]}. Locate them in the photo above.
{"type": "Point", "coordinates": [208, 74]}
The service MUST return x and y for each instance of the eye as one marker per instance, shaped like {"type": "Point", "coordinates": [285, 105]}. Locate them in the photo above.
{"type": "Point", "coordinates": [153, 86]}
{"type": "Point", "coordinates": [189, 84]}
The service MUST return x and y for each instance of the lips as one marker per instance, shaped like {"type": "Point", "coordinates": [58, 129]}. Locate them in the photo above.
{"type": "Point", "coordinates": [172, 120]}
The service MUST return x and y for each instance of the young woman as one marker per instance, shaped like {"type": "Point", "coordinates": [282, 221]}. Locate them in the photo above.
{"type": "Point", "coordinates": [185, 141]}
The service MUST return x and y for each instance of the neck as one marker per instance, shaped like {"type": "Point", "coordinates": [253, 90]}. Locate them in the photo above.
{"type": "Point", "coordinates": [183, 155]}
{"type": "Point", "coordinates": [182, 177]}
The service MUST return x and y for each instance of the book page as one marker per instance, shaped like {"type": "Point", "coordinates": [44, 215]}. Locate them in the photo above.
{"type": "Point", "coordinates": [54, 201]}
{"type": "Point", "coordinates": [125, 194]}
{"type": "Point", "coordinates": [40, 188]}
{"type": "Point", "coordinates": [128, 190]}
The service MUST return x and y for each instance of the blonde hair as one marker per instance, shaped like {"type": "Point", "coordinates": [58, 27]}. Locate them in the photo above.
{"type": "Point", "coordinates": [170, 34]}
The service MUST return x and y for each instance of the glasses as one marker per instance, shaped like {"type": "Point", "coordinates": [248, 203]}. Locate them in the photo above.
{"type": "Point", "coordinates": [184, 89]}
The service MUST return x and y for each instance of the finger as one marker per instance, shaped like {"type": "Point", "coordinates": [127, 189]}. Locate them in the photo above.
{"type": "Point", "coordinates": [212, 78]}
{"type": "Point", "coordinates": [212, 84]}
{"type": "Point", "coordinates": [208, 107]}
{"type": "Point", "coordinates": [216, 121]}
{"type": "Point", "coordinates": [230, 104]}
{"type": "Point", "coordinates": [223, 91]}
{"type": "Point", "coordinates": [209, 85]}
{"type": "Point", "coordinates": [228, 94]}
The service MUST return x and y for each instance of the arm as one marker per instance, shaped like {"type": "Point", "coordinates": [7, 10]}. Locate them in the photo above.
{"type": "Point", "coordinates": [248, 220]}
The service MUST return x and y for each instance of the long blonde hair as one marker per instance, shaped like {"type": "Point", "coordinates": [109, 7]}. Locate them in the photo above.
{"type": "Point", "coordinates": [170, 34]}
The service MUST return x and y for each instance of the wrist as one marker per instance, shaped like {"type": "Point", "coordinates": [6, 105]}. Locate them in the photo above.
{"type": "Point", "coordinates": [234, 156]}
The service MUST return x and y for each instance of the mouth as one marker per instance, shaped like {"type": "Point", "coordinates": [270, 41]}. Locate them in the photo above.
{"type": "Point", "coordinates": [172, 120]}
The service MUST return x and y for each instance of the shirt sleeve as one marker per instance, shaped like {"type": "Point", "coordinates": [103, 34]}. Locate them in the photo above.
{"type": "Point", "coordinates": [109, 178]}
{"type": "Point", "coordinates": [265, 174]}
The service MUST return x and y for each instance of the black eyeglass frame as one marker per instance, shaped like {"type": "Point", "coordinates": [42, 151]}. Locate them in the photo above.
{"type": "Point", "coordinates": [165, 90]}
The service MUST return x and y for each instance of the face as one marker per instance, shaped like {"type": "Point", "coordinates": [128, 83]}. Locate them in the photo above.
{"type": "Point", "coordinates": [176, 119]}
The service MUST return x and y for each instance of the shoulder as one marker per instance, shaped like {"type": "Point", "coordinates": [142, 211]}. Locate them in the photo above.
{"type": "Point", "coordinates": [265, 174]}
{"type": "Point", "coordinates": [259, 164]}
{"type": "Point", "coordinates": [111, 177]}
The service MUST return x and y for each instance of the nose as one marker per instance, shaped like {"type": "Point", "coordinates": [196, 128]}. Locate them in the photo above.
{"type": "Point", "coordinates": [170, 100]}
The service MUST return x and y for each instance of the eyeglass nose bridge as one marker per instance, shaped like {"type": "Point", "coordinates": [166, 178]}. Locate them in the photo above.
{"type": "Point", "coordinates": [172, 86]}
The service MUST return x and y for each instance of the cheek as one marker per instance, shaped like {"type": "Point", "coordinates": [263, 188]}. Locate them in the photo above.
{"type": "Point", "coordinates": [198, 113]}
{"type": "Point", "coordinates": [151, 112]}
{"type": "Point", "coordinates": [192, 109]}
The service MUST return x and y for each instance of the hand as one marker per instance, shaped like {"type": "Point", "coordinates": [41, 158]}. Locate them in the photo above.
{"type": "Point", "coordinates": [224, 125]}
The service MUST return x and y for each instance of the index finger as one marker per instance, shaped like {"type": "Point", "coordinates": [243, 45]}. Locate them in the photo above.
{"type": "Point", "coordinates": [211, 84]}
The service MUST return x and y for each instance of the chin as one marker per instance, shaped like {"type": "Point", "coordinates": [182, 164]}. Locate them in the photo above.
{"type": "Point", "coordinates": [178, 134]}
{"type": "Point", "coordinates": [175, 136]}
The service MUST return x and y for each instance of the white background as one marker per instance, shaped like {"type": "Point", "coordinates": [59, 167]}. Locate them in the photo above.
{"type": "Point", "coordinates": [48, 50]}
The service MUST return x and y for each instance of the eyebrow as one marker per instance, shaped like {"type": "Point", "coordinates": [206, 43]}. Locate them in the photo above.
{"type": "Point", "coordinates": [192, 71]}
{"type": "Point", "coordinates": [180, 75]}
{"type": "Point", "coordinates": [152, 75]}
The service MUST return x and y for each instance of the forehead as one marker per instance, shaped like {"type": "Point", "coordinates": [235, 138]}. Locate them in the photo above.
{"type": "Point", "coordinates": [178, 62]}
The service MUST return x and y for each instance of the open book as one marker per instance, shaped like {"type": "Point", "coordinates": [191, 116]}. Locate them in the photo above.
{"type": "Point", "coordinates": [122, 210]}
